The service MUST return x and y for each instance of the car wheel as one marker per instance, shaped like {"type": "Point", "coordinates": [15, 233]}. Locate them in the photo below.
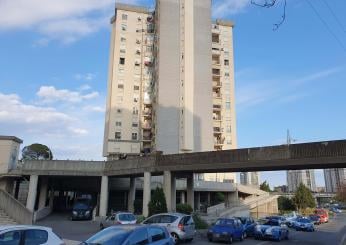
{"type": "Point", "coordinates": [286, 237]}
{"type": "Point", "coordinates": [175, 238]}
{"type": "Point", "coordinates": [230, 239]}
{"type": "Point", "coordinates": [210, 238]}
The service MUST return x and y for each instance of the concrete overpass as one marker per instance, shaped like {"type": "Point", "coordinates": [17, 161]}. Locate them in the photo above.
{"type": "Point", "coordinates": [317, 155]}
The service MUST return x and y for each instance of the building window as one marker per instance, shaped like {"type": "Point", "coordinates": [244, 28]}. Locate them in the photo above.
{"type": "Point", "coordinates": [226, 62]}
{"type": "Point", "coordinates": [135, 125]}
{"type": "Point", "coordinates": [228, 105]}
{"type": "Point", "coordinates": [226, 74]}
{"type": "Point", "coordinates": [118, 110]}
{"type": "Point", "coordinates": [122, 61]}
{"type": "Point", "coordinates": [135, 99]}
{"type": "Point", "coordinates": [123, 27]}
{"type": "Point", "coordinates": [123, 51]}
{"type": "Point", "coordinates": [118, 135]}
{"type": "Point", "coordinates": [124, 17]}
{"type": "Point", "coordinates": [120, 86]}
{"type": "Point", "coordinates": [122, 39]}
{"type": "Point", "coordinates": [121, 71]}
{"type": "Point", "coordinates": [119, 98]}
{"type": "Point", "coordinates": [134, 136]}
{"type": "Point", "coordinates": [118, 124]}
{"type": "Point", "coordinates": [136, 87]}
{"type": "Point", "coordinates": [135, 111]}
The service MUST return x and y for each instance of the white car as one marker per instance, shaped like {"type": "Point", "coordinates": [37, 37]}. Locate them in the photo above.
{"type": "Point", "coordinates": [119, 218]}
{"type": "Point", "coordinates": [28, 235]}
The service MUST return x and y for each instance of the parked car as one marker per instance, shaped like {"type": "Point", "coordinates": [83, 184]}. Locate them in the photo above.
{"type": "Point", "coordinates": [131, 235]}
{"type": "Point", "coordinates": [303, 224]}
{"type": "Point", "coordinates": [323, 213]}
{"type": "Point", "coordinates": [226, 230]}
{"type": "Point", "coordinates": [248, 225]}
{"type": "Point", "coordinates": [180, 226]}
{"type": "Point", "coordinates": [271, 230]}
{"type": "Point", "coordinates": [119, 218]}
{"type": "Point", "coordinates": [82, 211]}
{"type": "Point", "coordinates": [27, 234]}
{"type": "Point", "coordinates": [335, 210]}
{"type": "Point", "coordinates": [315, 219]}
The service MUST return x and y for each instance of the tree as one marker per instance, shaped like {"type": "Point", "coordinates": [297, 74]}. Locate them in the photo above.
{"type": "Point", "coordinates": [286, 204]}
{"type": "Point", "coordinates": [341, 193]}
{"type": "Point", "coordinates": [184, 208]}
{"type": "Point", "coordinates": [37, 152]}
{"type": "Point", "coordinates": [157, 203]}
{"type": "Point", "coordinates": [303, 198]}
{"type": "Point", "coordinates": [265, 187]}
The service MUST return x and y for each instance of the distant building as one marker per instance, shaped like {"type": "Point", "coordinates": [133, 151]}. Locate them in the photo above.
{"type": "Point", "coordinates": [295, 177]}
{"type": "Point", "coordinates": [334, 178]}
{"type": "Point", "coordinates": [320, 189]}
{"type": "Point", "coordinates": [281, 189]}
{"type": "Point", "coordinates": [249, 178]}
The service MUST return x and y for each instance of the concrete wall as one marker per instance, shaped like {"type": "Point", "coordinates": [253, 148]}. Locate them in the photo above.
{"type": "Point", "coordinates": [9, 151]}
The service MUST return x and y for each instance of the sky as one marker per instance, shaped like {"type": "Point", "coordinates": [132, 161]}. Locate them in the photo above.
{"type": "Point", "coordinates": [54, 63]}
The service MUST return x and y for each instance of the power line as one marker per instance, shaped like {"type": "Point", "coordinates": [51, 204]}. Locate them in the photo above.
{"type": "Point", "coordinates": [326, 25]}
{"type": "Point", "coordinates": [335, 16]}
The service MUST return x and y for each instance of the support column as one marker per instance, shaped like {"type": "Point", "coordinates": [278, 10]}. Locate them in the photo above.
{"type": "Point", "coordinates": [173, 193]}
{"type": "Point", "coordinates": [209, 199]}
{"type": "Point", "coordinates": [190, 191]}
{"type": "Point", "coordinates": [51, 199]}
{"type": "Point", "coordinates": [167, 189]}
{"type": "Point", "coordinates": [104, 196]}
{"type": "Point", "coordinates": [43, 193]}
{"type": "Point", "coordinates": [198, 201]}
{"type": "Point", "coordinates": [132, 195]}
{"type": "Point", "coordinates": [182, 197]}
{"type": "Point", "coordinates": [30, 202]}
{"type": "Point", "coordinates": [16, 191]}
{"type": "Point", "coordinates": [146, 193]}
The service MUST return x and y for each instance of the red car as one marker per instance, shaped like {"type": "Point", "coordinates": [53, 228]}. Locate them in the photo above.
{"type": "Point", "coordinates": [324, 216]}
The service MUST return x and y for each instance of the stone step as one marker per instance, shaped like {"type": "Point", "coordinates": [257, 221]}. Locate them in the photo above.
{"type": "Point", "coordinates": [5, 219]}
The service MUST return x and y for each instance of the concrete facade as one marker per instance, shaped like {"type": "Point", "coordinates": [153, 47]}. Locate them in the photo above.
{"type": "Point", "coordinates": [250, 178]}
{"type": "Point", "coordinates": [9, 152]}
{"type": "Point", "coordinates": [296, 177]}
{"type": "Point", "coordinates": [171, 82]}
{"type": "Point", "coordinates": [334, 179]}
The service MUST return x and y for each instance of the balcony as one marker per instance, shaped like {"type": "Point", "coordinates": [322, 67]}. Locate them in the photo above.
{"type": "Point", "coordinates": [146, 138]}
{"type": "Point", "coordinates": [216, 107]}
{"type": "Point", "coordinates": [216, 51]}
{"type": "Point", "coordinates": [217, 130]}
{"type": "Point", "coordinates": [146, 126]}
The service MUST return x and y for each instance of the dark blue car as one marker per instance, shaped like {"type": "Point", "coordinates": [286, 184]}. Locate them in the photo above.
{"type": "Point", "coordinates": [248, 225]}
{"type": "Point", "coordinates": [271, 230]}
{"type": "Point", "coordinates": [226, 230]}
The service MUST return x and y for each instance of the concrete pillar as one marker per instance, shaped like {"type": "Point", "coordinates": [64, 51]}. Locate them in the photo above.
{"type": "Point", "coordinates": [167, 189]}
{"type": "Point", "coordinates": [16, 191]}
{"type": "Point", "coordinates": [190, 191]}
{"type": "Point", "coordinates": [231, 199]}
{"type": "Point", "coordinates": [209, 199]}
{"type": "Point", "coordinates": [182, 197]}
{"type": "Point", "coordinates": [132, 195]}
{"type": "Point", "coordinates": [104, 196]}
{"type": "Point", "coordinates": [30, 202]}
{"type": "Point", "coordinates": [146, 193]}
{"type": "Point", "coordinates": [43, 193]}
{"type": "Point", "coordinates": [198, 201]}
{"type": "Point", "coordinates": [173, 193]}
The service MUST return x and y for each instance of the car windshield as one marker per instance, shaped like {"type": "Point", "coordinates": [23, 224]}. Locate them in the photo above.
{"type": "Point", "coordinates": [304, 221]}
{"type": "Point", "coordinates": [110, 236]}
{"type": "Point", "coordinates": [127, 217]}
{"type": "Point", "coordinates": [224, 222]}
{"type": "Point", "coordinates": [80, 205]}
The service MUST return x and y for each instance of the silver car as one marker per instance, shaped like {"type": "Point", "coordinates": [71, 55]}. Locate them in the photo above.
{"type": "Point", "coordinates": [119, 218]}
{"type": "Point", "coordinates": [180, 226]}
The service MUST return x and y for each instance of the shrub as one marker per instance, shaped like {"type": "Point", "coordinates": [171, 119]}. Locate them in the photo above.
{"type": "Point", "coordinates": [157, 203]}
{"type": "Point", "coordinates": [184, 208]}
{"type": "Point", "coordinates": [199, 223]}
{"type": "Point", "coordinates": [219, 197]}
{"type": "Point", "coordinates": [140, 219]}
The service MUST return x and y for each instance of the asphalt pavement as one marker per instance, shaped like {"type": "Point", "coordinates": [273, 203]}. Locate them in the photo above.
{"type": "Point", "coordinates": [332, 233]}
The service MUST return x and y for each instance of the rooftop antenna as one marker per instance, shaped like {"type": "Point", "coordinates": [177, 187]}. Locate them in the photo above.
{"type": "Point", "coordinates": [290, 140]}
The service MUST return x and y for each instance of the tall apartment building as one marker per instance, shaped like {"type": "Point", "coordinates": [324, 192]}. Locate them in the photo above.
{"type": "Point", "coordinates": [171, 81]}
{"type": "Point", "coordinates": [250, 178]}
{"type": "Point", "coordinates": [295, 177]}
{"type": "Point", "coordinates": [334, 178]}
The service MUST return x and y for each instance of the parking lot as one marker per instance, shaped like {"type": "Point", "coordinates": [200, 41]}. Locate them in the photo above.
{"type": "Point", "coordinates": [332, 233]}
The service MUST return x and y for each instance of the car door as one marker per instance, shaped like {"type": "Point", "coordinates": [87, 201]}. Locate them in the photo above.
{"type": "Point", "coordinates": [35, 237]}
{"type": "Point", "coordinates": [239, 228]}
{"type": "Point", "coordinates": [158, 236]}
{"type": "Point", "coordinates": [139, 237]}
{"type": "Point", "coordinates": [11, 237]}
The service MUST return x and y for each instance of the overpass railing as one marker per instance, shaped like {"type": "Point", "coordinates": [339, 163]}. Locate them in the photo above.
{"type": "Point", "coordinates": [15, 209]}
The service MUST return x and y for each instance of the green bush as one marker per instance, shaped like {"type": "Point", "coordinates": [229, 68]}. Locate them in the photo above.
{"type": "Point", "coordinates": [140, 219]}
{"type": "Point", "coordinates": [157, 204]}
{"type": "Point", "coordinates": [219, 197]}
{"type": "Point", "coordinates": [199, 223]}
{"type": "Point", "coordinates": [184, 208]}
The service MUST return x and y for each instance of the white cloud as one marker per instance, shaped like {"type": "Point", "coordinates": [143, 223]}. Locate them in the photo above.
{"type": "Point", "coordinates": [50, 94]}
{"type": "Point", "coordinates": [85, 87]}
{"type": "Point", "coordinates": [88, 76]}
{"type": "Point", "coordinates": [63, 20]}
{"type": "Point", "coordinates": [78, 131]}
{"type": "Point", "coordinates": [224, 8]}
{"type": "Point", "coordinates": [94, 108]}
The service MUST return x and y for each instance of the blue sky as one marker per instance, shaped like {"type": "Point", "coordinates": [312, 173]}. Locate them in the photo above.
{"type": "Point", "coordinates": [54, 61]}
